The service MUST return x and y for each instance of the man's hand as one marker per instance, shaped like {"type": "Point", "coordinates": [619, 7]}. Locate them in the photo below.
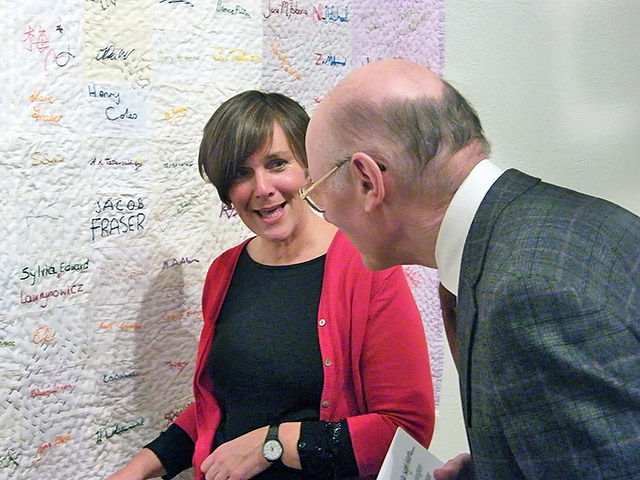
{"type": "Point", "coordinates": [458, 468]}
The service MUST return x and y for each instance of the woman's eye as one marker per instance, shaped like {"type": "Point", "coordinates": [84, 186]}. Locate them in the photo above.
{"type": "Point", "coordinates": [243, 173]}
{"type": "Point", "coordinates": [279, 163]}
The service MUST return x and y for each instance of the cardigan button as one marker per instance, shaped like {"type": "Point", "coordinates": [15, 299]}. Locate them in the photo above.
{"type": "Point", "coordinates": [322, 322]}
{"type": "Point", "coordinates": [325, 403]}
{"type": "Point", "coordinates": [327, 362]}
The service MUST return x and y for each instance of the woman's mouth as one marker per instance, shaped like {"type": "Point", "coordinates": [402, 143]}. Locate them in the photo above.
{"type": "Point", "coordinates": [271, 212]}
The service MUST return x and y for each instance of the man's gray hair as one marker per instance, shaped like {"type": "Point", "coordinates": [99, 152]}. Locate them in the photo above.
{"type": "Point", "coordinates": [408, 134]}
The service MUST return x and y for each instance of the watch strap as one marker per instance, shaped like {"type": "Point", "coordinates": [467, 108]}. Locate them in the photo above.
{"type": "Point", "coordinates": [272, 433]}
{"type": "Point", "coordinates": [272, 448]}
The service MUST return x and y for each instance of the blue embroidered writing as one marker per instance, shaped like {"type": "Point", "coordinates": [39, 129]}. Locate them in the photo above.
{"type": "Point", "coordinates": [112, 114]}
{"type": "Point", "coordinates": [115, 225]}
{"type": "Point", "coordinates": [186, 2]}
{"type": "Point", "coordinates": [42, 271]}
{"type": "Point", "coordinates": [331, 13]}
{"type": "Point", "coordinates": [118, 376]}
{"type": "Point", "coordinates": [115, 162]}
{"type": "Point", "coordinates": [104, 4]}
{"type": "Point", "coordinates": [228, 210]}
{"type": "Point", "coordinates": [93, 92]}
{"type": "Point", "coordinates": [237, 10]}
{"type": "Point", "coordinates": [111, 52]}
{"type": "Point", "coordinates": [330, 60]}
{"type": "Point", "coordinates": [119, 205]}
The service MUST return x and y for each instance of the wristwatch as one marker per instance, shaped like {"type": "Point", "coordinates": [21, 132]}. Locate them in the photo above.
{"type": "Point", "coordinates": [272, 448]}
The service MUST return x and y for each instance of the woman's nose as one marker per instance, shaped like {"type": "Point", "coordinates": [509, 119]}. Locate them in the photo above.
{"type": "Point", "coordinates": [263, 185]}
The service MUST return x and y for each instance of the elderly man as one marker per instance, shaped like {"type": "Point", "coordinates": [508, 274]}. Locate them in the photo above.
{"type": "Point", "coordinates": [547, 333]}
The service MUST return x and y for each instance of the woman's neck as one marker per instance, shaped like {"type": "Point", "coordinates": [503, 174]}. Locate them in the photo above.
{"type": "Point", "coordinates": [310, 241]}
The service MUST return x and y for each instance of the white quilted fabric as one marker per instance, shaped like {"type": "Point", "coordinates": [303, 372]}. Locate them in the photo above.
{"type": "Point", "coordinates": [107, 228]}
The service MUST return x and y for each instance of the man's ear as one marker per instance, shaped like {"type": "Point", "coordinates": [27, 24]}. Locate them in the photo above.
{"type": "Point", "coordinates": [370, 183]}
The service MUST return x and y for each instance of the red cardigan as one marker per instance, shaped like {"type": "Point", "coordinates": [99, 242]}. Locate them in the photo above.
{"type": "Point", "coordinates": [376, 363]}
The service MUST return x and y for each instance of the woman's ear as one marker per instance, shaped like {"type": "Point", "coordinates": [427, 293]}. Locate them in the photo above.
{"type": "Point", "coordinates": [370, 182]}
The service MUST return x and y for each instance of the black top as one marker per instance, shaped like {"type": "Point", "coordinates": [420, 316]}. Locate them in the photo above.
{"type": "Point", "coordinates": [266, 367]}
{"type": "Point", "coordinates": [265, 359]}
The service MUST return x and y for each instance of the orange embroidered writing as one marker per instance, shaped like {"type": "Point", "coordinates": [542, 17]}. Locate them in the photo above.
{"type": "Point", "coordinates": [42, 334]}
{"type": "Point", "coordinates": [41, 117]}
{"type": "Point", "coordinates": [57, 441]}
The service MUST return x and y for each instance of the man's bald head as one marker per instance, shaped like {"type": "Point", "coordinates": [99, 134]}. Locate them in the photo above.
{"type": "Point", "coordinates": [403, 115]}
{"type": "Point", "coordinates": [387, 79]}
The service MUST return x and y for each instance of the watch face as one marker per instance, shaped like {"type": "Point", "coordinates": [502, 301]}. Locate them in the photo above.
{"type": "Point", "coordinates": [272, 450]}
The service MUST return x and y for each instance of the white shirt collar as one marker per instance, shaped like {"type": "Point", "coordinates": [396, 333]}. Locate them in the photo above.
{"type": "Point", "coordinates": [457, 222]}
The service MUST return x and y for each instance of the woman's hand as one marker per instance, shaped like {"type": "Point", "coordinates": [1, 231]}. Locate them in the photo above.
{"type": "Point", "coordinates": [237, 459]}
{"type": "Point", "coordinates": [143, 465]}
{"type": "Point", "coordinates": [123, 475]}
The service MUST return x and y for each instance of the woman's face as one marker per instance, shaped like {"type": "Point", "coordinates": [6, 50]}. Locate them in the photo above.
{"type": "Point", "coordinates": [265, 193]}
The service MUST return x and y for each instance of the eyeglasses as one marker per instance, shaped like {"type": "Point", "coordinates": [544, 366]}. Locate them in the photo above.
{"type": "Point", "coordinates": [308, 188]}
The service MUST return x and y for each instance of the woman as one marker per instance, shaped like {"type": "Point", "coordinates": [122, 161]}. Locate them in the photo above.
{"type": "Point", "coordinates": [300, 342]}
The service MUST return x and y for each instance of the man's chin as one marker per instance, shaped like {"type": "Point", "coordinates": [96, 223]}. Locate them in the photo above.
{"type": "Point", "coordinates": [374, 264]}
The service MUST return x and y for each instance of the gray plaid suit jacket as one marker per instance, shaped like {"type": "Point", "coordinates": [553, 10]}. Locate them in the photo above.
{"type": "Point", "coordinates": [548, 328]}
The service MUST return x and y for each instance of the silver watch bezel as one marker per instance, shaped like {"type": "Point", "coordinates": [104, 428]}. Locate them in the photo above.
{"type": "Point", "coordinates": [268, 451]}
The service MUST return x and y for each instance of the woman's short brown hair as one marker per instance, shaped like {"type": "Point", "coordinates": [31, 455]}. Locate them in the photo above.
{"type": "Point", "coordinates": [243, 125]}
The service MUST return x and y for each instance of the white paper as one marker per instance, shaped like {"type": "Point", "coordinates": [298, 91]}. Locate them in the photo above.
{"type": "Point", "coordinates": [406, 459]}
